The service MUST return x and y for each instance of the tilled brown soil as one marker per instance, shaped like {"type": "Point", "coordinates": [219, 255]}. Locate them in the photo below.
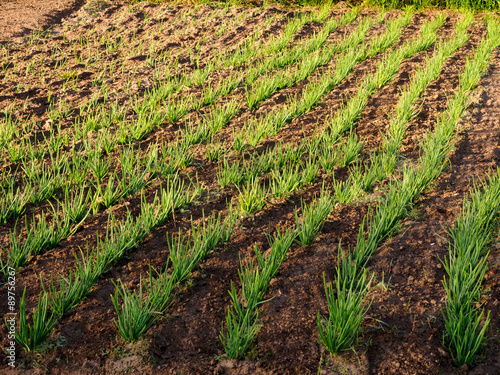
{"type": "Point", "coordinates": [403, 330]}
{"type": "Point", "coordinates": [20, 17]}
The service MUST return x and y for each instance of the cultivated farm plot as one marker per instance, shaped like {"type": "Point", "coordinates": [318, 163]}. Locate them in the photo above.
{"type": "Point", "coordinates": [252, 190]}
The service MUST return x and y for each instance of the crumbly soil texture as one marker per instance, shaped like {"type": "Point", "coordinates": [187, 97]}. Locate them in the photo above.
{"type": "Point", "coordinates": [57, 56]}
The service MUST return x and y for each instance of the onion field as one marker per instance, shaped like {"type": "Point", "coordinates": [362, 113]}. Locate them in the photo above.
{"type": "Point", "coordinates": [208, 189]}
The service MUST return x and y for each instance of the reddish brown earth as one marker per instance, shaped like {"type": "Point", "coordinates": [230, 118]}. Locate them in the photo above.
{"type": "Point", "coordinates": [20, 17]}
{"type": "Point", "coordinates": [404, 326]}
